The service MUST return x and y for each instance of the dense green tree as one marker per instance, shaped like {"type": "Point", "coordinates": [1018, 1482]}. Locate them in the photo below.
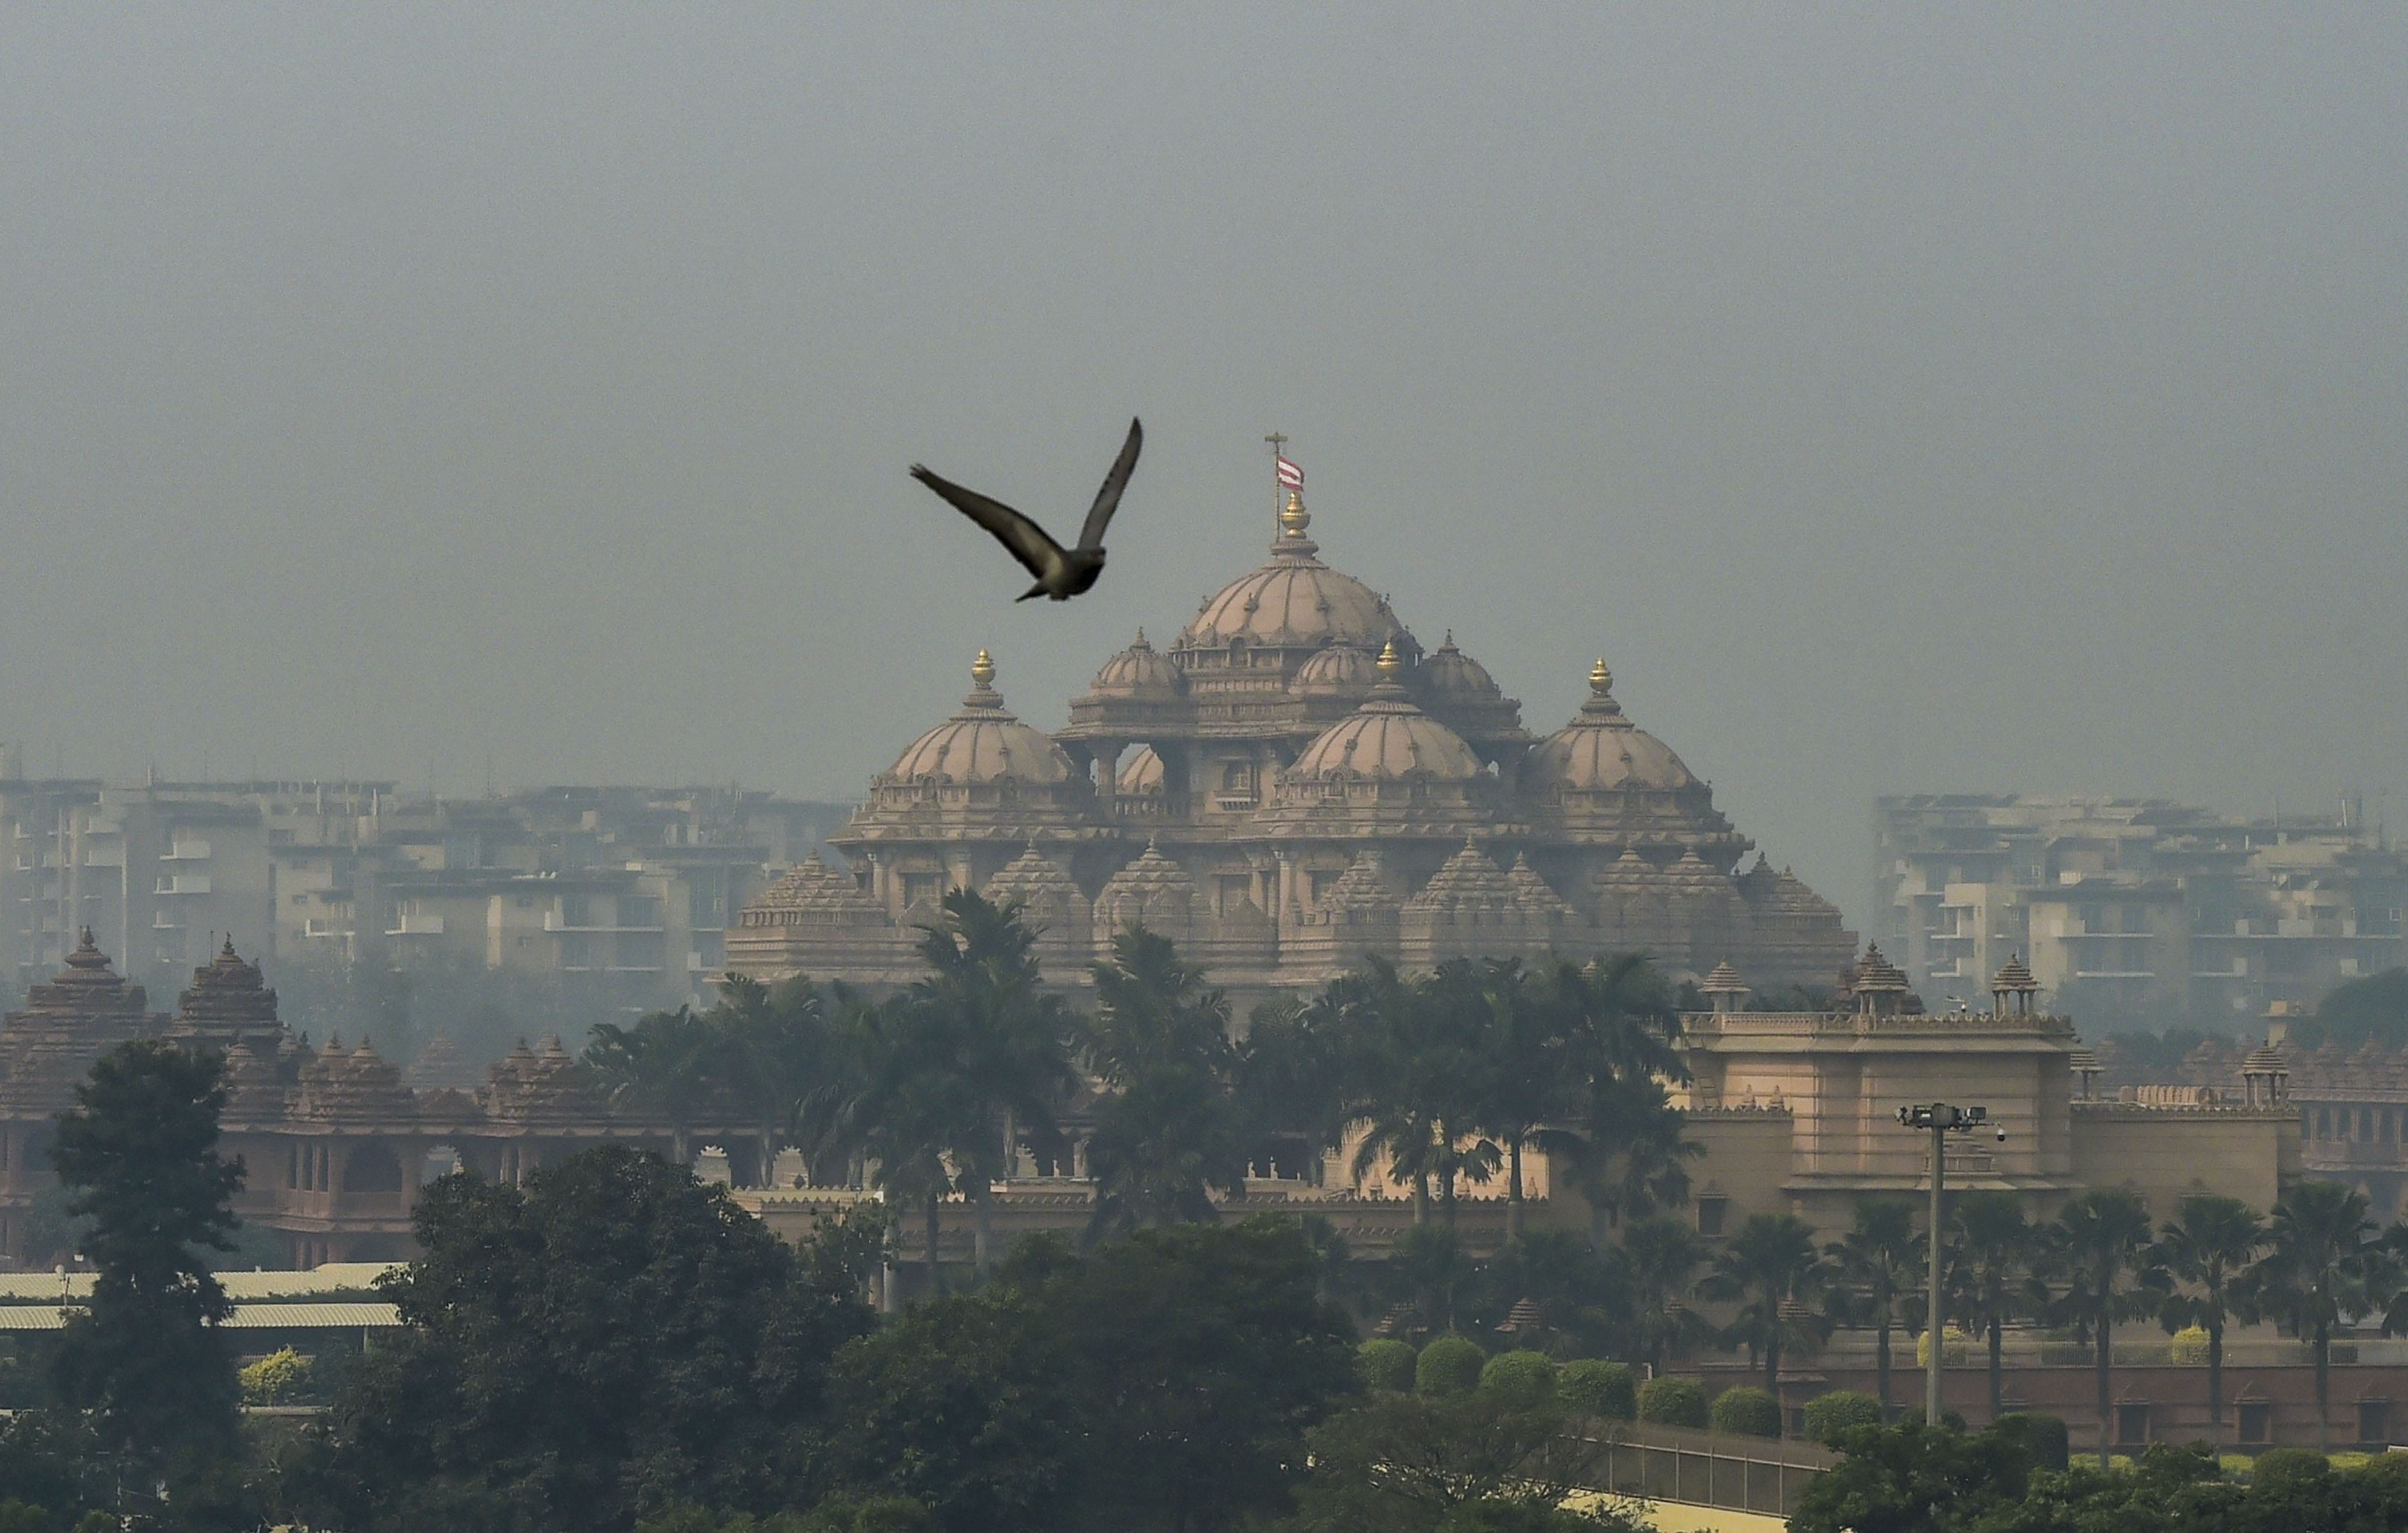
{"type": "Point", "coordinates": [997, 1043]}
{"type": "Point", "coordinates": [2099, 1261]}
{"type": "Point", "coordinates": [1913, 1477]}
{"type": "Point", "coordinates": [1163, 1382]}
{"type": "Point", "coordinates": [1442, 1463]}
{"type": "Point", "coordinates": [147, 1358]}
{"type": "Point", "coordinates": [1772, 1271]}
{"type": "Point", "coordinates": [1413, 1066]}
{"type": "Point", "coordinates": [1660, 1261]}
{"type": "Point", "coordinates": [2323, 1262]}
{"type": "Point", "coordinates": [1618, 1142]}
{"type": "Point", "coordinates": [1872, 1272]}
{"type": "Point", "coordinates": [2205, 1250]}
{"type": "Point", "coordinates": [1168, 1132]}
{"type": "Point", "coordinates": [760, 1058]}
{"type": "Point", "coordinates": [1988, 1276]}
{"type": "Point", "coordinates": [2374, 1007]}
{"type": "Point", "coordinates": [611, 1338]}
{"type": "Point", "coordinates": [1523, 1059]}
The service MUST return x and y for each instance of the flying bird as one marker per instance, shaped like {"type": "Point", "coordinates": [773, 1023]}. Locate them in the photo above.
{"type": "Point", "coordinates": [1061, 573]}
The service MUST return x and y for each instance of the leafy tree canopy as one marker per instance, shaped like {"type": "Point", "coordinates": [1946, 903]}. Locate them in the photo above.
{"type": "Point", "coordinates": [611, 1338]}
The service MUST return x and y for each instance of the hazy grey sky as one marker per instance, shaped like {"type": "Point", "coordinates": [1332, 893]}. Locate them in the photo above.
{"type": "Point", "coordinates": [1898, 398]}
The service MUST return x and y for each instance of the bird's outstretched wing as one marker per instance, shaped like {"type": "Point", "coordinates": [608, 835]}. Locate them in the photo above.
{"type": "Point", "coordinates": [1024, 539]}
{"type": "Point", "coordinates": [1108, 499]}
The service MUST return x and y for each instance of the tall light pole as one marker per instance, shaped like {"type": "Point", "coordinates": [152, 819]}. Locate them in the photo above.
{"type": "Point", "coordinates": [1939, 1120]}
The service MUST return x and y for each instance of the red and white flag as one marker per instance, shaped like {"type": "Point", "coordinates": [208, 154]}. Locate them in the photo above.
{"type": "Point", "coordinates": [1290, 475]}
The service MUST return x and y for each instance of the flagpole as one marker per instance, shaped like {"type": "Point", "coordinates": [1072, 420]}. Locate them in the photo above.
{"type": "Point", "coordinates": [1278, 439]}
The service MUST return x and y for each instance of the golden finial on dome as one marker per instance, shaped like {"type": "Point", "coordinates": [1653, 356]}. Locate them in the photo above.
{"type": "Point", "coordinates": [1391, 664]}
{"type": "Point", "coordinates": [1600, 680]}
{"type": "Point", "coordinates": [1295, 519]}
{"type": "Point", "coordinates": [983, 670]}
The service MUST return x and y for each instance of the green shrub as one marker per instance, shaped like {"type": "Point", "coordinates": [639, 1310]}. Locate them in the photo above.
{"type": "Point", "coordinates": [1519, 1380]}
{"type": "Point", "coordinates": [2283, 1473]}
{"type": "Point", "coordinates": [277, 1379]}
{"type": "Point", "coordinates": [2036, 1433]}
{"type": "Point", "coordinates": [1746, 1413]}
{"type": "Point", "coordinates": [1598, 1388]}
{"type": "Point", "coordinates": [1449, 1365]}
{"type": "Point", "coordinates": [2188, 1346]}
{"type": "Point", "coordinates": [1672, 1403]}
{"type": "Point", "coordinates": [1840, 1410]}
{"type": "Point", "coordinates": [1386, 1363]}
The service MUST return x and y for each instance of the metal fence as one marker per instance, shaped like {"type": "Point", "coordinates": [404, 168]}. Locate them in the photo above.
{"type": "Point", "coordinates": [1709, 1469]}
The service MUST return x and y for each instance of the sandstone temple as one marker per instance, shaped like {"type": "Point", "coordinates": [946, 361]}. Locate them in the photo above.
{"type": "Point", "coordinates": [336, 1141]}
{"type": "Point", "coordinates": [1296, 783]}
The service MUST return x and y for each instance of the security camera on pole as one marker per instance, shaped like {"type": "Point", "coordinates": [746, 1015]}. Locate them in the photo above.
{"type": "Point", "coordinates": [1940, 1120]}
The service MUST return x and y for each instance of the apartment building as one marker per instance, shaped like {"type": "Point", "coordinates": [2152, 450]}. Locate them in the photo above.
{"type": "Point", "coordinates": [635, 883]}
{"type": "Point", "coordinates": [2134, 909]}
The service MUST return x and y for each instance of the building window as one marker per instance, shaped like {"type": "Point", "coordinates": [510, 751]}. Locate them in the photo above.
{"type": "Point", "coordinates": [2131, 1424]}
{"type": "Point", "coordinates": [923, 888]}
{"type": "Point", "coordinates": [1710, 1215]}
{"type": "Point", "coordinates": [1319, 882]}
{"type": "Point", "coordinates": [576, 950]}
{"type": "Point", "coordinates": [2257, 1421]}
{"type": "Point", "coordinates": [635, 910]}
{"type": "Point", "coordinates": [2374, 1421]}
{"type": "Point", "coordinates": [576, 910]}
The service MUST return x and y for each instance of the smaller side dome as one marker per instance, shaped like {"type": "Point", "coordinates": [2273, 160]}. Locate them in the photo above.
{"type": "Point", "coordinates": [1139, 671]}
{"type": "Point", "coordinates": [1388, 736]}
{"type": "Point", "coordinates": [1446, 674]}
{"type": "Point", "coordinates": [1602, 750]}
{"type": "Point", "coordinates": [982, 743]}
{"type": "Point", "coordinates": [1341, 671]}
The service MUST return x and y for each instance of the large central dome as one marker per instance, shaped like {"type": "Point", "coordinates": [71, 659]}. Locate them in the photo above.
{"type": "Point", "coordinates": [1295, 602]}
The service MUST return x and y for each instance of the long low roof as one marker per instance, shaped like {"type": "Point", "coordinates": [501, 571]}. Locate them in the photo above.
{"type": "Point", "coordinates": [17, 1288]}
{"type": "Point", "coordinates": [252, 1317]}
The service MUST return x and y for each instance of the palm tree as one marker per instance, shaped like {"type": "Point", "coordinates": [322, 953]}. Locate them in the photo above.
{"type": "Point", "coordinates": [1524, 1060]}
{"type": "Point", "coordinates": [1659, 1260]}
{"type": "Point", "coordinates": [2323, 1262]}
{"type": "Point", "coordinates": [1619, 1143]}
{"type": "Point", "coordinates": [1409, 1063]}
{"type": "Point", "coordinates": [901, 1117]}
{"type": "Point", "coordinates": [1872, 1267]}
{"type": "Point", "coordinates": [1771, 1269]}
{"type": "Point", "coordinates": [1168, 1136]}
{"type": "Point", "coordinates": [2207, 1248]}
{"type": "Point", "coordinates": [1989, 1274]}
{"type": "Point", "coordinates": [2098, 1260]}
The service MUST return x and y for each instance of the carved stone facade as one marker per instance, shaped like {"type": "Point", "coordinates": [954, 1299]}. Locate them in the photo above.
{"type": "Point", "coordinates": [1796, 1112]}
{"type": "Point", "coordinates": [334, 1141]}
{"type": "Point", "coordinates": [1294, 784]}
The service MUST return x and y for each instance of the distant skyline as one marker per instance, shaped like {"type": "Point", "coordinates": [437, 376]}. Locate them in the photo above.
{"type": "Point", "coordinates": [1899, 400]}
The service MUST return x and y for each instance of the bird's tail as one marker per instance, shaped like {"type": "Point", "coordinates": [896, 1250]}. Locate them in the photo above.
{"type": "Point", "coordinates": [1032, 593]}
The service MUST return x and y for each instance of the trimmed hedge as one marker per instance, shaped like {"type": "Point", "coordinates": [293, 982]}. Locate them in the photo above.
{"type": "Point", "coordinates": [1672, 1403]}
{"type": "Point", "coordinates": [1449, 1365]}
{"type": "Point", "coordinates": [1519, 1380]}
{"type": "Point", "coordinates": [1746, 1413]}
{"type": "Point", "coordinates": [1598, 1388]}
{"type": "Point", "coordinates": [1840, 1410]}
{"type": "Point", "coordinates": [1386, 1363]}
{"type": "Point", "coordinates": [2039, 1434]}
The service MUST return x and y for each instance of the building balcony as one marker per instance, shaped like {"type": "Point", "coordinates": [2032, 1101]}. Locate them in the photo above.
{"type": "Point", "coordinates": [186, 851]}
{"type": "Point", "coordinates": [416, 926]}
{"type": "Point", "coordinates": [183, 884]}
{"type": "Point", "coordinates": [553, 922]}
